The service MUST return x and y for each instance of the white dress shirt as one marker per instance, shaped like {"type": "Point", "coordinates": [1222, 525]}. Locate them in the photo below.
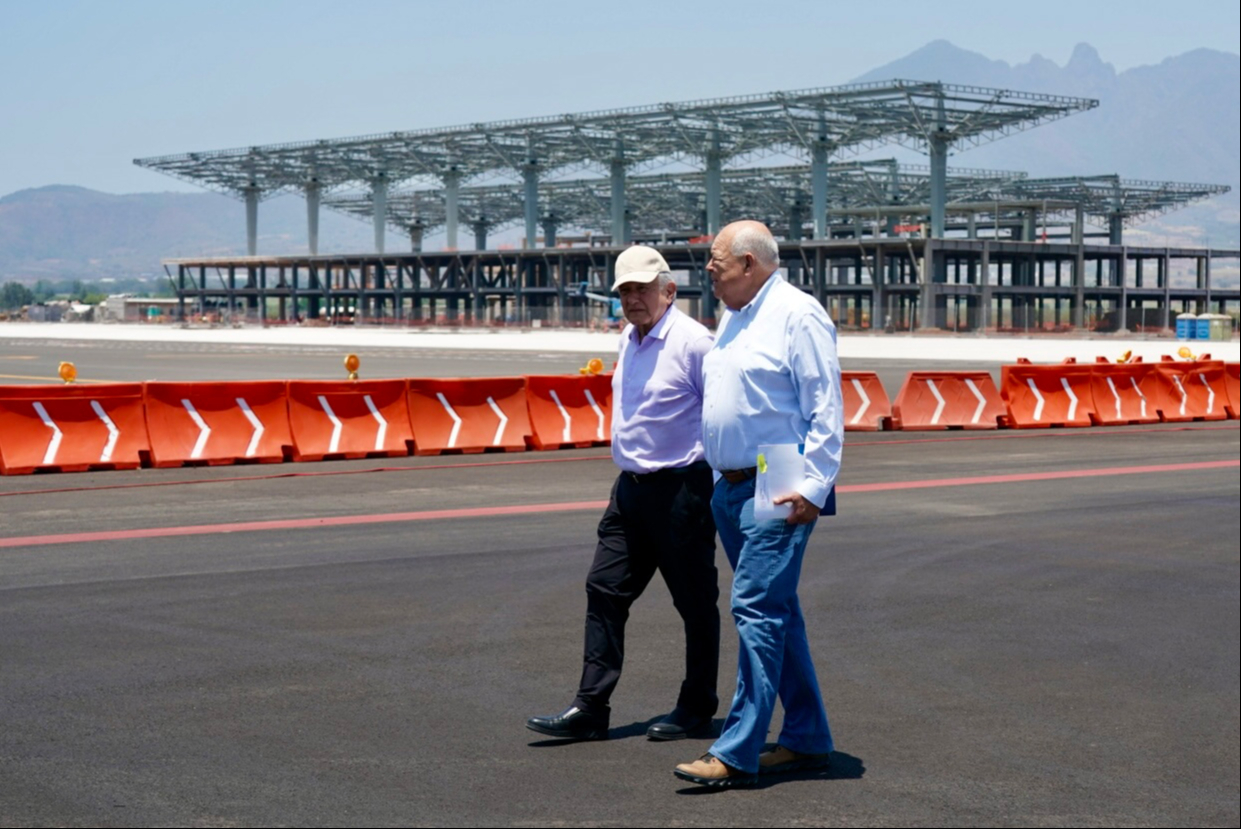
{"type": "Point", "coordinates": [773, 377]}
{"type": "Point", "coordinates": [657, 395]}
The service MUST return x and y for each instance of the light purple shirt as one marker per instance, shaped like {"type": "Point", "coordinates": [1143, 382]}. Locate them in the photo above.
{"type": "Point", "coordinates": [774, 377]}
{"type": "Point", "coordinates": [657, 395]}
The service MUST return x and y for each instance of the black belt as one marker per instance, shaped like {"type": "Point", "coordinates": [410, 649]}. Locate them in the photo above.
{"type": "Point", "coordinates": [661, 474]}
{"type": "Point", "coordinates": [739, 476]}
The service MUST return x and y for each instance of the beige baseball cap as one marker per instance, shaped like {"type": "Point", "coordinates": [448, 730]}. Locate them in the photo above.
{"type": "Point", "coordinates": [639, 264]}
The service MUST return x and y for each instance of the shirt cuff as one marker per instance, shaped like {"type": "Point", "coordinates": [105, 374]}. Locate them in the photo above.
{"type": "Point", "coordinates": [814, 491]}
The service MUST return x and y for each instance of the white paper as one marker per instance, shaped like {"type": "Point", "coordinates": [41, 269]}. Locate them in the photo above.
{"type": "Point", "coordinates": [781, 469]}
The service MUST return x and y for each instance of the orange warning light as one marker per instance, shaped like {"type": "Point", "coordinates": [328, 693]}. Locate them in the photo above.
{"type": "Point", "coordinates": [352, 364]}
{"type": "Point", "coordinates": [68, 372]}
{"type": "Point", "coordinates": [1186, 354]}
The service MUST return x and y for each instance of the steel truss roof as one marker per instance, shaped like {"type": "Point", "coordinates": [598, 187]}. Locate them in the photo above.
{"type": "Point", "coordinates": [677, 202]}
{"type": "Point", "coordinates": [732, 131]}
{"type": "Point", "coordinates": [1110, 196]}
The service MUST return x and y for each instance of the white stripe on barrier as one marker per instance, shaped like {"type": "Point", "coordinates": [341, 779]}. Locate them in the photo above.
{"type": "Point", "coordinates": [49, 457]}
{"type": "Point", "coordinates": [857, 384]}
{"type": "Point", "coordinates": [1184, 394]}
{"type": "Point", "coordinates": [1120, 415]}
{"type": "Point", "coordinates": [204, 431]}
{"type": "Point", "coordinates": [1038, 410]}
{"type": "Point", "coordinates": [982, 401]}
{"type": "Point", "coordinates": [591, 399]}
{"type": "Point", "coordinates": [503, 421]}
{"type": "Point", "coordinates": [942, 403]}
{"type": "Point", "coordinates": [1064, 381]}
{"type": "Point", "coordinates": [568, 422]}
{"type": "Point", "coordinates": [456, 420]}
{"type": "Point", "coordinates": [256, 423]}
{"type": "Point", "coordinates": [1210, 391]}
{"type": "Point", "coordinates": [379, 418]}
{"type": "Point", "coordinates": [114, 434]}
{"type": "Point", "coordinates": [336, 425]}
{"type": "Point", "coordinates": [1138, 389]}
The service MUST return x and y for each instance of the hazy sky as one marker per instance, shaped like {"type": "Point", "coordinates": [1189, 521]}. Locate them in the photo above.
{"type": "Point", "coordinates": [86, 86]}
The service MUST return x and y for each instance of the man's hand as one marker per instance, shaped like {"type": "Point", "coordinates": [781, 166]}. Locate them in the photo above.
{"type": "Point", "coordinates": [804, 512]}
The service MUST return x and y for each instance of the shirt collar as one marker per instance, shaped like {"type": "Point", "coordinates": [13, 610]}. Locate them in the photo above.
{"type": "Point", "coordinates": [762, 294]}
{"type": "Point", "coordinates": [660, 331]}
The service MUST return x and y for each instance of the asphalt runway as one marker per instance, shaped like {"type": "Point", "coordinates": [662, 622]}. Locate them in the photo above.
{"type": "Point", "coordinates": [1034, 628]}
{"type": "Point", "coordinates": [36, 361]}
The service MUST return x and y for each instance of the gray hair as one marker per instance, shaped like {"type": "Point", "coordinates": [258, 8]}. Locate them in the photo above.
{"type": "Point", "coordinates": [665, 279]}
{"type": "Point", "coordinates": [758, 242]}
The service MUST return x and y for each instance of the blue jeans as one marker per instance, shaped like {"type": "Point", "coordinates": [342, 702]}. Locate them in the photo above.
{"type": "Point", "coordinates": [774, 656]}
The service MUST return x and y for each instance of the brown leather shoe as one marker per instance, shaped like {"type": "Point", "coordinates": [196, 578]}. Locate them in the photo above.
{"type": "Point", "coordinates": [709, 771]}
{"type": "Point", "coordinates": [781, 760]}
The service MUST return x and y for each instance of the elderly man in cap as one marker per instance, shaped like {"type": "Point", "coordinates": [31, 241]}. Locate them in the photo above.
{"type": "Point", "coordinates": [659, 514]}
{"type": "Point", "coordinates": [773, 378]}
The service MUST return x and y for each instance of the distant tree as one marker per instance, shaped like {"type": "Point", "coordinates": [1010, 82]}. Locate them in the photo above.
{"type": "Point", "coordinates": [44, 290]}
{"type": "Point", "coordinates": [13, 295]}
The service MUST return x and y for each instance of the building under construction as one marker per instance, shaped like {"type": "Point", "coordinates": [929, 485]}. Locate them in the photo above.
{"type": "Point", "coordinates": [880, 243]}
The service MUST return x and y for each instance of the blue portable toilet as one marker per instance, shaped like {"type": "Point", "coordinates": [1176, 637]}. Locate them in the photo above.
{"type": "Point", "coordinates": [1204, 327]}
{"type": "Point", "coordinates": [1187, 327]}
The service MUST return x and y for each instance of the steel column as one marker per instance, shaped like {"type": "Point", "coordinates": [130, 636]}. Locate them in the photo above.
{"type": "Point", "coordinates": [313, 192]}
{"type": "Point", "coordinates": [715, 189]}
{"type": "Point", "coordinates": [452, 207]}
{"type": "Point", "coordinates": [379, 202]}
{"type": "Point", "coordinates": [252, 220]}
{"type": "Point", "coordinates": [620, 229]}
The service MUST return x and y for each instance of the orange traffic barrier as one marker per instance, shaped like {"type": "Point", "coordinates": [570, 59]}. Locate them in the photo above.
{"type": "Point", "coordinates": [217, 423]}
{"type": "Point", "coordinates": [469, 416]}
{"type": "Point", "coordinates": [1122, 393]}
{"type": "Point", "coordinates": [570, 411]}
{"type": "Point", "coordinates": [71, 428]}
{"type": "Point", "coordinates": [349, 419]}
{"type": "Point", "coordinates": [932, 400]}
{"type": "Point", "coordinates": [1231, 381]}
{"type": "Point", "coordinates": [1190, 391]}
{"type": "Point", "coordinates": [867, 407]}
{"type": "Point", "coordinates": [1039, 397]}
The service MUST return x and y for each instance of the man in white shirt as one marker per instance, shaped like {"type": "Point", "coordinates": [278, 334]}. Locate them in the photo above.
{"type": "Point", "coordinates": [659, 514]}
{"type": "Point", "coordinates": [772, 378]}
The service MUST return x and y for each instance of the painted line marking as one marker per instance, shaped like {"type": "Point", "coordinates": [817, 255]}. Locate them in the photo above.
{"type": "Point", "coordinates": [1120, 415]}
{"type": "Point", "coordinates": [54, 446]}
{"type": "Point", "coordinates": [571, 506]}
{"type": "Point", "coordinates": [204, 431]}
{"type": "Point", "coordinates": [1184, 394]}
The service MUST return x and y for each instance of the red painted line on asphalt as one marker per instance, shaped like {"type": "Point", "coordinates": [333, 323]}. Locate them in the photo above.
{"type": "Point", "coordinates": [572, 506]}
{"type": "Point", "coordinates": [851, 445]}
{"type": "Point", "coordinates": [1030, 477]}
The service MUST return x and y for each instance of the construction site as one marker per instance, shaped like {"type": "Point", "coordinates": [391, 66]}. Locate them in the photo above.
{"type": "Point", "coordinates": [884, 245]}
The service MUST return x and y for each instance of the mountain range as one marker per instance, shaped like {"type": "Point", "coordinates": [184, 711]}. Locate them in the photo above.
{"type": "Point", "coordinates": [1176, 120]}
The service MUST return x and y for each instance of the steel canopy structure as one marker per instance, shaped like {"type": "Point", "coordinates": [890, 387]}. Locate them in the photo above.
{"type": "Point", "coordinates": [1116, 202]}
{"type": "Point", "coordinates": [669, 205]}
{"type": "Point", "coordinates": [808, 125]}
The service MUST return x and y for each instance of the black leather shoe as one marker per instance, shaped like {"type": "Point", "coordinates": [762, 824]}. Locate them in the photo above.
{"type": "Point", "coordinates": [571, 724]}
{"type": "Point", "coordinates": [680, 725]}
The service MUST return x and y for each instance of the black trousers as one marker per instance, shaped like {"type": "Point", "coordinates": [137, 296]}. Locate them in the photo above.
{"type": "Point", "coordinates": [663, 522]}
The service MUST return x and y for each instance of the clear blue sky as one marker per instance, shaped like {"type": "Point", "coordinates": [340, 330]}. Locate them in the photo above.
{"type": "Point", "coordinates": [86, 86]}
